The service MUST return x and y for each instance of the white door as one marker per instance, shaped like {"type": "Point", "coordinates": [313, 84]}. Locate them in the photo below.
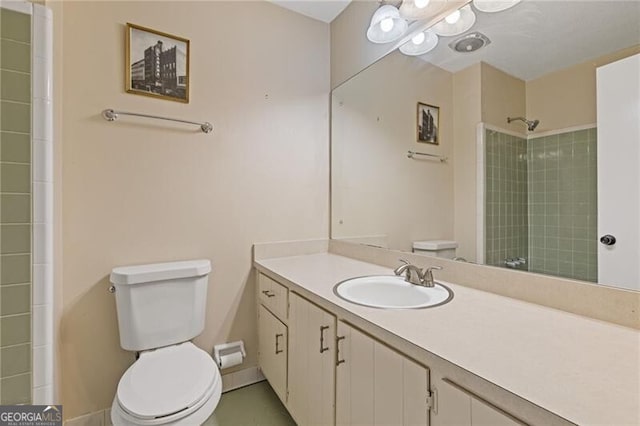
{"type": "Point", "coordinates": [618, 94]}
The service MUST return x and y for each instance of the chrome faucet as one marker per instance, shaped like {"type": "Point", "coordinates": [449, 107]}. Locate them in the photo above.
{"type": "Point", "coordinates": [415, 275]}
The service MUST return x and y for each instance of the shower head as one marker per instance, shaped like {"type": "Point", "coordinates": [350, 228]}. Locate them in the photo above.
{"type": "Point", "coordinates": [531, 124]}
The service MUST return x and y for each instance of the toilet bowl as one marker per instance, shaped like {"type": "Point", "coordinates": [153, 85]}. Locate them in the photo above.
{"type": "Point", "coordinates": [161, 307]}
{"type": "Point", "coordinates": [175, 385]}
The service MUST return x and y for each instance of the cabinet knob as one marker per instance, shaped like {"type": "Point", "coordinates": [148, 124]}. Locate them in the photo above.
{"type": "Point", "coordinates": [268, 293]}
{"type": "Point", "coordinates": [278, 350]}
{"type": "Point", "coordinates": [322, 329]}
{"type": "Point", "coordinates": [338, 360]}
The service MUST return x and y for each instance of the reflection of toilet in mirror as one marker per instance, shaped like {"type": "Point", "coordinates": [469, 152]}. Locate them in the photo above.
{"type": "Point", "coordinates": [436, 248]}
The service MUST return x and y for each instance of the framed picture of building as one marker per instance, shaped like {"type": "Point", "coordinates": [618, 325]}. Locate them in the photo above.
{"type": "Point", "coordinates": [157, 64]}
{"type": "Point", "coordinates": [428, 124]}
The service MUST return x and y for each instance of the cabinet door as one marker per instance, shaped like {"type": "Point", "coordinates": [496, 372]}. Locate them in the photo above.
{"type": "Point", "coordinates": [272, 351]}
{"type": "Point", "coordinates": [354, 377]}
{"type": "Point", "coordinates": [484, 415]}
{"type": "Point", "coordinates": [312, 342]}
{"type": "Point", "coordinates": [377, 385]}
{"type": "Point", "coordinates": [458, 406]}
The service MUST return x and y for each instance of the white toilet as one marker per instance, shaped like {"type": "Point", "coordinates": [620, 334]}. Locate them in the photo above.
{"type": "Point", "coordinates": [161, 307]}
{"type": "Point", "coordinates": [436, 248]}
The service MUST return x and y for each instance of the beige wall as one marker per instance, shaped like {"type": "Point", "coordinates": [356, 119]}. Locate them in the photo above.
{"type": "Point", "coordinates": [567, 98]}
{"type": "Point", "coordinates": [377, 189]}
{"type": "Point", "coordinates": [145, 191]}
{"type": "Point", "coordinates": [481, 93]}
{"type": "Point", "coordinates": [351, 52]}
{"type": "Point", "coordinates": [502, 96]}
{"type": "Point", "coordinates": [467, 98]}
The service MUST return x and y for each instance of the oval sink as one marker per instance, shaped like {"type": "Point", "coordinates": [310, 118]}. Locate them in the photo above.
{"type": "Point", "coordinates": [391, 292]}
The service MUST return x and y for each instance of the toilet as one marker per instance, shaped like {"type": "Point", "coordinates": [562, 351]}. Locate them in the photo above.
{"type": "Point", "coordinates": [436, 248]}
{"type": "Point", "coordinates": [161, 307]}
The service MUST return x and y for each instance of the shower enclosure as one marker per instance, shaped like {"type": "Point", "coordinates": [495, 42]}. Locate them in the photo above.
{"type": "Point", "coordinates": [539, 201]}
{"type": "Point", "coordinates": [26, 188]}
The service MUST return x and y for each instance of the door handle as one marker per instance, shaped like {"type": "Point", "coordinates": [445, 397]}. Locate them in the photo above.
{"type": "Point", "coordinates": [608, 240]}
{"type": "Point", "coordinates": [322, 329]}
{"type": "Point", "coordinates": [277, 349]}
{"type": "Point", "coordinates": [338, 360]}
{"type": "Point", "coordinates": [268, 293]}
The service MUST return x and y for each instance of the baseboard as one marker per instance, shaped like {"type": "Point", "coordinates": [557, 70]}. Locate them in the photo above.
{"type": "Point", "coordinates": [97, 418]}
{"type": "Point", "coordinates": [241, 378]}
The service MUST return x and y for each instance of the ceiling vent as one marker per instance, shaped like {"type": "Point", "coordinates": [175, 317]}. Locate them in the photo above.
{"type": "Point", "coordinates": [470, 42]}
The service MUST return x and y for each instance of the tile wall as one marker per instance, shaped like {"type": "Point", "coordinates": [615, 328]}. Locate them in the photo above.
{"type": "Point", "coordinates": [563, 205]}
{"type": "Point", "coordinates": [15, 207]}
{"type": "Point", "coordinates": [506, 192]}
{"type": "Point", "coordinates": [541, 202]}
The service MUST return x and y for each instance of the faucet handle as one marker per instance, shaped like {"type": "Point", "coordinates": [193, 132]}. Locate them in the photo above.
{"type": "Point", "coordinates": [405, 261]}
{"type": "Point", "coordinates": [428, 275]}
{"type": "Point", "coordinates": [400, 269]}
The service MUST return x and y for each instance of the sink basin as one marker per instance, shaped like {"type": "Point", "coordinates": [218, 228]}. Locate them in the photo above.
{"type": "Point", "coordinates": [391, 292]}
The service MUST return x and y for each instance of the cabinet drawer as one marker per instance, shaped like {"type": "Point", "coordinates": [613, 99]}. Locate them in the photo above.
{"type": "Point", "coordinates": [273, 295]}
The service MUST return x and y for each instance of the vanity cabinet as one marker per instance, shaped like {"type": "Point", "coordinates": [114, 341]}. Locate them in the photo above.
{"type": "Point", "coordinates": [272, 351]}
{"type": "Point", "coordinates": [456, 406]}
{"type": "Point", "coordinates": [375, 385]}
{"type": "Point", "coordinates": [312, 352]}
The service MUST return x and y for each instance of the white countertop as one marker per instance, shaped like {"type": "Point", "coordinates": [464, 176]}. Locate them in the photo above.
{"type": "Point", "coordinates": [584, 370]}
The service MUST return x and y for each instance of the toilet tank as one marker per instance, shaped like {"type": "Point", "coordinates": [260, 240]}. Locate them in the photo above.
{"type": "Point", "coordinates": [160, 304]}
{"type": "Point", "coordinates": [436, 248]}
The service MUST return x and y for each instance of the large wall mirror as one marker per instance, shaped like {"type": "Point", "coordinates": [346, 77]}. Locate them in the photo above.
{"type": "Point", "coordinates": [497, 156]}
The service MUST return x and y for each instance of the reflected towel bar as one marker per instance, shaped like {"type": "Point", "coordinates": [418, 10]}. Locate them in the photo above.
{"type": "Point", "coordinates": [411, 154]}
{"type": "Point", "coordinates": [112, 115]}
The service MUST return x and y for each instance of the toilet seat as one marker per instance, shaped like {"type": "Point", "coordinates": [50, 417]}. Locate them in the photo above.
{"type": "Point", "coordinates": [167, 384]}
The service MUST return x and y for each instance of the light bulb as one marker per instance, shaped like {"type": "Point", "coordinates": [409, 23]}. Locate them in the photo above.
{"type": "Point", "coordinates": [421, 4]}
{"type": "Point", "coordinates": [386, 24]}
{"type": "Point", "coordinates": [418, 38]}
{"type": "Point", "coordinates": [453, 18]}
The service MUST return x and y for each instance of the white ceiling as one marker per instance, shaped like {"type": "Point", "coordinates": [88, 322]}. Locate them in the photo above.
{"type": "Point", "coordinates": [322, 10]}
{"type": "Point", "coordinates": [537, 37]}
{"type": "Point", "coordinates": [529, 40]}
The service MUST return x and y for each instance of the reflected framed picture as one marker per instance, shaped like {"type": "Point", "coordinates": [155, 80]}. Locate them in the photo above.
{"type": "Point", "coordinates": [428, 124]}
{"type": "Point", "coordinates": [156, 64]}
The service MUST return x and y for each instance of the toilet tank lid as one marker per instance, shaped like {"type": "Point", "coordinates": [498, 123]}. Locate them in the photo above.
{"type": "Point", "coordinates": [435, 245]}
{"type": "Point", "coordinates": [136, 274]}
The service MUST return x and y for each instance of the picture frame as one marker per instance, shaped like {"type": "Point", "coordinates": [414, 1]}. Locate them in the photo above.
{"type": "Point", "coordinates": [156, 64]}
{"type": "Point", "coordinates": [428, 124]}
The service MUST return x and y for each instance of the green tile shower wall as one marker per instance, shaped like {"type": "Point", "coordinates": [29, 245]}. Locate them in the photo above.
{"type": "Point", "coordinates": [506, 229]}
{"type": "Point", "coordinates": [15, 208]}
{"type": "Point", "coordinates": [563, 205]}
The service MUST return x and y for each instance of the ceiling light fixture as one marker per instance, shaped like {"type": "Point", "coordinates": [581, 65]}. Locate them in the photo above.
{"type": "Point", "coordinates": [421, 43]}
{"type": "Point", "coordinates": [415, 10]}
{"type": "Point", "coordinates": [456, 23]}
{"type": "Point", "coordinates": [491, 6]}
{"type": "Point", "coordinates": [386, 25]}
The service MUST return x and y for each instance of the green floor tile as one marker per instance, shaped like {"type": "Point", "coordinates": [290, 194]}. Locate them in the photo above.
{"type": "Point", "coordinates": [250, 406]}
